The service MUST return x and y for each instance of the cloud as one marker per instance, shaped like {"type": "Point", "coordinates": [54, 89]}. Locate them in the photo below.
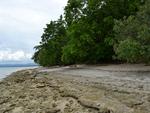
{"type": "Point", "coordinates": [9, 55]}
{"type": "Point", "coordinates": [22, 23]}
{"type": "Point", "coordinates": [29, 13]}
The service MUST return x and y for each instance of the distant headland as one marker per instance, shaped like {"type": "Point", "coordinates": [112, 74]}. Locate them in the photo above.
{"type": "Point", "coordinates": [19, 65]}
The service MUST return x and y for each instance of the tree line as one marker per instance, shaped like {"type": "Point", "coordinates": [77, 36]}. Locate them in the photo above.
{"type": "Point", "coordinates": [95, 31]}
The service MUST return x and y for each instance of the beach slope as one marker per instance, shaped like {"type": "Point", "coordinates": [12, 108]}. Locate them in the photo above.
{"type": "Point", "coordinates": [77, 89]}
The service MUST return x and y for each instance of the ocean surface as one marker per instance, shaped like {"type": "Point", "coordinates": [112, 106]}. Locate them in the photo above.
{"type": "Point", "coordinates": [5, 71]}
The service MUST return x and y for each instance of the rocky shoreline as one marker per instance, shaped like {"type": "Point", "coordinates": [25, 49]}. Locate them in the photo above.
{"type": "Point", "coordinates": [60, 91]}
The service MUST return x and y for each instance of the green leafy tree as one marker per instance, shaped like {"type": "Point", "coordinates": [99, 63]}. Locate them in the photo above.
{"type": "Point", "coordinates": [50, 49]}
{"type": "Point", "coordinates": [132, 39]}
{"type": "Point", "coordinates": [74, 10]}
{"type": "Point", "coordinates": [90, 25]}
{"type": "Point", "coordinates": [86, 34]}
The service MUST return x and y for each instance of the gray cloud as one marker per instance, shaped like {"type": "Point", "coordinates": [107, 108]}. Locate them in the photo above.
{"type": "Point", "coordinates": [8, 55]}
{"type": "Point", "coordinates": [22, 23]}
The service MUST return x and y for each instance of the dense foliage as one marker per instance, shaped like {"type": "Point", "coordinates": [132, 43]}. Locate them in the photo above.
{"type": "Point", "coordinates": [90, 31]}
{"type": "Point", "coordinates": [132, 39]}
{"type": "Point", "coordinates": [49, 51]}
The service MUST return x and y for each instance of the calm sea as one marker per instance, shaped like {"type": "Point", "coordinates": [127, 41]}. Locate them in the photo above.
{"type": "Point", "coordinates": [5, 71]}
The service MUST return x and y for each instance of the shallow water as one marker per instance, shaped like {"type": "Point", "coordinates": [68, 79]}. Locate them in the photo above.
{"type": "Point", "coordinates": [5, 71]}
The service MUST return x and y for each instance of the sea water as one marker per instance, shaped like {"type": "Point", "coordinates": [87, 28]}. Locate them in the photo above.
{"type": "Point", "coordinates": [5, 71]}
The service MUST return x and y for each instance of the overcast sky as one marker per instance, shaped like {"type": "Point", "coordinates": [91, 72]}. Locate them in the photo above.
{"type": "Point", "coordinates": [21, 26]}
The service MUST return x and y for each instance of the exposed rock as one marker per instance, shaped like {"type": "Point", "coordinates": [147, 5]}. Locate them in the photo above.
{"type": "Point", "coordinates": [31, 91]}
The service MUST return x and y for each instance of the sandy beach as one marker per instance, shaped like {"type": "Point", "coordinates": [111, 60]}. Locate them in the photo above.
{"type": "Point", "coordinates": [77, 89]}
